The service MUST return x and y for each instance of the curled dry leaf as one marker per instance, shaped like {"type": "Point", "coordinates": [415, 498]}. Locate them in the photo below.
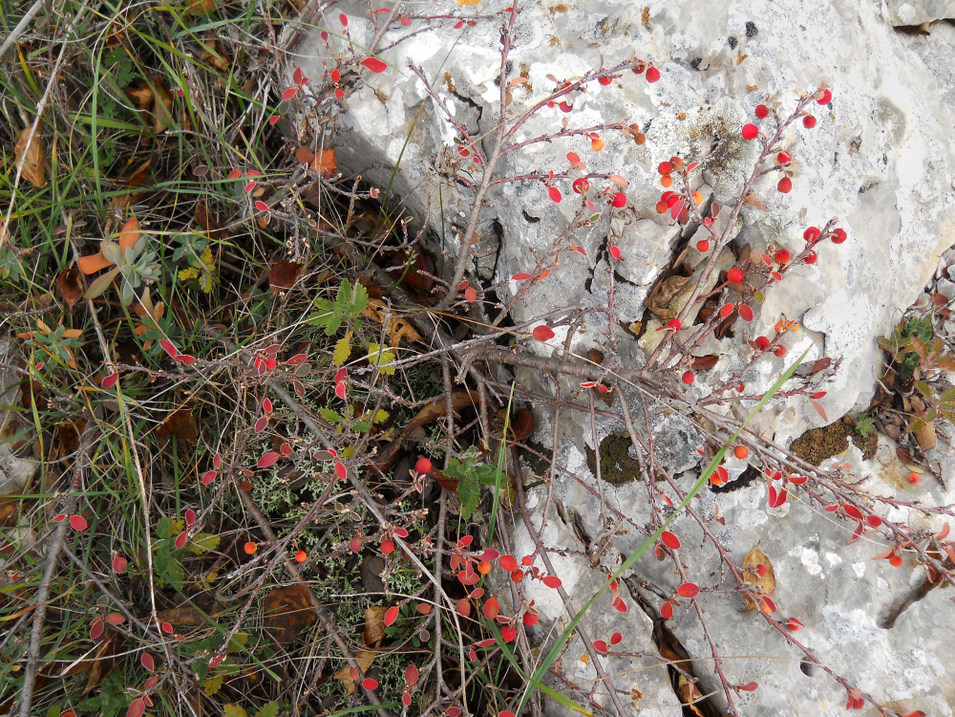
{"type": "Point", "coordinates": [29, 151]}
{"type": "Point", "coordinates": [759, 574]}
{"type": "Point", "coordinates": [346, 676]}
{"type": "Point", "coordinates": [68, 284]}
{"type": "Point", "coordinates": [374, 631]}
{"type": "Point", "coordinates": [288, 612]}
{"type": "Point", "coordinates": [283, 275]}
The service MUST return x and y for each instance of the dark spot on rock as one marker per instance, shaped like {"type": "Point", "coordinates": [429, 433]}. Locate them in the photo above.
{"type": "Point", "coordinates": [732, 41]}
{"type": "Point", "coordinates": [751, 30]}
{"type": "Point", "coordinates": [617, 466]}
{"type": "Point", "coordinates": [695, 63]}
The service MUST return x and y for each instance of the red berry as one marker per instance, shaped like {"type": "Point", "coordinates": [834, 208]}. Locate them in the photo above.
{"type": "Point", "coordinates": [782, 257]}
{"type": "Point", "coordinates": [581, 185]}
{"type": "Point", "coordinates": [702, 246]}
{"type": "Point", "coordinates": [824, 97]}
{"type": "Point", "coordinates": [913, 477]}
{"type": "Point", "coordinates": [605, 80]}
{"type": "Point", "coordinates": [762, 343]}
{"type": "Point", "coordinates": [423, 465]}
{"type": "Point", "coordinates": [735, 276]}
{"type": "Point", "coordinates": [619, 199]}
{"type": "Point", "coordinates": [811, 257]}
{"type": "Point", "coordinates": [741, 451]}
{"type": "Point", "coordinates": [665, 168]}
{"type": "Point", "coordinates": [838, 236]}
{"type": "Point", "coordinates": [785, 185]}
{"type": "Point", "coordinates": [653, 74]}
{"type": "Point", "coordinates": [750, 131]}
{"type": "Point", "coordinates": [688, 378]}
{"type": "Point", "coordinates": [811, 234]}
{"type": "Point", "coordinates": [662, 207]}
{"type": "Point", "coordinates": [784, 158]}
{"type": "Point", "coordinates": [762, 111]}
{"type": "Point", "coordinates": [808, 121]}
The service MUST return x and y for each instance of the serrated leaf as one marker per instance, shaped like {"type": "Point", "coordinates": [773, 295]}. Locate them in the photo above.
{"type": "Point", "coordinates": [469, 495]}
{"type": "Point", "coordinates": [238, 641]}
{"type": "Point", "coordinates": [330, 415]}
{"type": "Point", "coordinates": [352, 299]}
{"type": "Point", "coordinates": [213, 684]}
{"type": "Point", "coordinates": [270, 709]}
{"type": "Point", "coordinates": [378, 355]}
{"type": "Point", "coordinates": [233, 711]}
{"type": "Point", "coordinates": [342, 349]}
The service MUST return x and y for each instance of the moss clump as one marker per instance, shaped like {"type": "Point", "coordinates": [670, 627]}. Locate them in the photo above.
{"type": "Point", "coordinates": [617, 466]}
{"type": "Point", "coordinates": [818, 444]}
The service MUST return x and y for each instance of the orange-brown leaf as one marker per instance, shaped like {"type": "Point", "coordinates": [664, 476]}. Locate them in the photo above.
{"type": "Point", "coordinates": [129, 235]}
{"type": "Point", "coordinates": [30, 151]}
{"type": "Point", "coordinates": [68, 284]}
{"type": "Point", "coordinates": [92, 263]}
{"type": "Point", "coordinates": [324, 162]}
{"type": "Point", "coordinates": [283, 275]}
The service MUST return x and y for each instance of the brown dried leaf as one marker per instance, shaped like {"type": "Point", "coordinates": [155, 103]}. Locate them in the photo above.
{"type": "Point", "coordinates": [69, 286]}
{"type": "Point", "coordinates": [364, 660]}
{"type": "Point", "coordinates": [704, 363]}
{"type": "Point", "coordinates": [374, 630]}
{"type": "Point", "coordinates": [30, 151]}
{"type": "Point", "coordinates": [181, 424]}
{"type": "Point", "coordinates": [304, 155]}
{"type": "Point", "coordinates": [324, 163]}
{"type": "Point", "coordinates": [753, 202]}
{"type": "Point", "coordinates": [764, 584]}
{"type": "Point", "coordinates": [288, 612]}
{"type": "Point", "coordinates": [283, 275]}
{"type": "Point", "coordinates": [185, 616]}
{"type": "Point", "coordinates": [925, 435]}
{"type": "Point", "coordinates": [207, 221]}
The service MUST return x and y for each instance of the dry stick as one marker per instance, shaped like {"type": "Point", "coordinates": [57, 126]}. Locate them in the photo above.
{"type": "Point", "coordinates": [372, 506]}
{"type": "Point", "coordinates": [52, 557]}
{"type": "Point", "coordinates": [21, 26]}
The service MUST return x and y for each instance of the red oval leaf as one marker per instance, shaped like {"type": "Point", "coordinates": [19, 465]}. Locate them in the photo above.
{"type": "Point", "coordinates": [688, 590]}
{"type": "Point", "coordinates": [411, 675]}
{"type": "Point", "coordinates": [391, 614]}
{"type": "Point", "coordinates": [78, 522]}
{"type": "Point", "coordinates": [600, 646]}
{"type": "Point", "coordinates": [552, 581]}
{"type": "Point", "coordinates": [374, 64]}
{"type": "Point", "coordinates": [491, 609]}
{"type": "Point", "coordinates": [369, 683]}
{"type": "Point", "coordinates": [168, 347]}
{"type": "Point", "coordinates": [616, 638]}
{"type": "Point", "coordinates": [289, 93]}
{"type": "Point", "coordinates": [745, 312]}
{"type": "Point", "coordinates": [119, 564]}
{"type": "Point", "coordinates": [269, 459]}
{"type": "Point", "coordinates": [340, 471]}
{"type": "Point", "coordinates": [114, 618]}
{"type": "Point", "coordinates": [297, 359]}
{"type": "Point", "coordinates": [543, 333]}
{"type": "Point", "coordinates": [208, 477]}
{"type": "Point", "coordinates": [749, 687]}
{"type": "Point", "coordinates": [97, 628]}
{"type": "Point", "coordinates": [508, 563]}
{"type": "Point", "coordinates": [726, 310]}
{"type": "Point", "coordinates": [554, 194]}
{"type": "Point", "coordinates": [261, 424]}
{"type": "Point", "coordinates": [148, 662]}
{"type": "Point", "coordinates": [670, 540]}
{"type": "Point", "coordinates": [110, 380]}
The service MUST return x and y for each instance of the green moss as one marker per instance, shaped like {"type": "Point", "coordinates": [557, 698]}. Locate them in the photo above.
{"type": "Point", "coordinates": [617, 466]}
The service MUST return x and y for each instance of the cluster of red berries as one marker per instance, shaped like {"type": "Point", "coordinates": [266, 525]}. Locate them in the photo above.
{"type": "Point", "coordinates": [751, 132]}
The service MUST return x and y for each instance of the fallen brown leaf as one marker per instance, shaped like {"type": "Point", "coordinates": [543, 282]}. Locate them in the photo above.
{"type": "Point", "coordinates": [288, 612]}
{"type": "Point", "coordinates": [181, 424]}
{"type": "Point", "coordinates": [29, 150]}
{"type": "Point", "coordinates": [765, 584]}
{"type": "Point", "coordinates": [374, 630]}
{"type": "Point", "coordinates": [68, 284]}
{"type": "Point", "coordinates": [344, 675]}
{"type": "Point", "coordinates": [283, 275]}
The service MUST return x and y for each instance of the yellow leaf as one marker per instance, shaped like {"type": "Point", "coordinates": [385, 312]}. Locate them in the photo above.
{"type": "Point", "coordinates": [764, 583]}
{"type": "Point", "coordinates": [342, 349]}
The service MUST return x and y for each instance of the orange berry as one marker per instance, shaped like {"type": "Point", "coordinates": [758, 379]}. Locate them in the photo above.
{"type": "Point", "coordinates": [597, 144]}
{"type": "Point", "coordinates": [250, 548]}
{"type": "Point", "coordinates": [913, 477]}
{"type": "Point", "coordinates": [741, 452]}
{"type": "Point", "coordinates": [301, 556]}
{"type": "Point", "coordinates": [895, 560]}
{"type": "Point", "coordinates": [666, 180]}
{"type": "Point", "coordinates": [484, 567]}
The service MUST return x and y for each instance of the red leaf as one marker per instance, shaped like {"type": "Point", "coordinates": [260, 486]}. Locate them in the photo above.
{"type": "Point", "coordinates": [508, 563]}
{"type": "Point", "coordinates": [463, 607]}
{"type": "Point", "coordinates": [726, 310]}
{"type": "Point", "coordinates": [261, 206]}
{"type": "Point", "coordinates": [182, 539]}
{"type": "Point", "coordinates": [411, 676]}
{"type": "Point", "coordinates": [491, 609]}
{"type": "Point", "coordinates": [745, 312]}
{"type": "Point", "coordinates": [297, 359]}
{"type": "Point", "coordinates": [670, 540]}
{"type": "Point", "coordinates": [666, 610]}
{"type": "Point", "coordinates": [543, 333]}
{"type": "Point", "coordinates": [852, 511]}
{"type": "Point", "coordinates": [340, 390]}
{"type": "Point", "coordinates": [776, 497]}
{"type": "Point", "coordinates": [97, 628]}
{"type": "Point", "coordinates": [600, 646]}
{"type": "Point", "coordinates": [470, 295]}
{"type": "Point", "coordinates": [369, 683]}
{"type": "Point", "coordinates": [521, 277]}
{"type": "Point", "coordinates": [269, 459]}
{"type": "Point", "coordinates": [289, 93]}
{"type": "Point", "coordinates": [78, 522]}
{"type": "Point", "coordinates": [616, 638]}
{"type": "Point", "coordinates": [554, 194]}
{"type": "Point", "coordinates": [374, 64]}
{"type": "Point", "coordinates": [110, 380]}
{"type": "Point", "coordinates": [552, 581]}
{"type": "Point", "coordinates": [749, 687]}
{"type": "Point", "coordinates": [119, 564]}
{"type": "Point", "coordinates": [688, 590]}
{"type": "Point", "coordinates": [208, 477]}
{"type": "Point", "coordinates": [137, 708]}
{"type": "Point", "coordinates": [615, 252]}
{"type": "Point", "coordinates": [190, 517]}
{"type": "Point", "coordinates": [340, 472]}
{"type": "Point", "coordinates": [261, 424]}
{"type": "Point", "coordinates": [114, 618]}
{"type": "Point", "coordinates": [148, 662]}
{"type": "Point", "coordinates": [391, 614]}
{"type": "Point", "coordinates": [819, 409]}
{"type": "Point", "coordinates": [169, 348]}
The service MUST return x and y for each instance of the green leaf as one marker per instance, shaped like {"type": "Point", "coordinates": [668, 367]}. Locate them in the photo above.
{"type": "Point", "coordinates": [238, 641]}
{"type": "Point", "coordinates": [203, 543]}
{"type": "Point", "coordinates": [99, 287]}
{"type": "Point", "coordinates": [233, 711]}
{"type": "Point", "coordinates": [111, 252]}
{"type": "Point", "coordinates": [213, 684]}
{"type": "Point", "coordinates": [351, 299]}
{"type": "Point", "coordinates": [469, 495]}
{"type": "Point", "coordinates": [326, 314]}
{"type": "Point", "coordinates": [342, 349]}
{"type": "Point", "coordinates": [270, 709]}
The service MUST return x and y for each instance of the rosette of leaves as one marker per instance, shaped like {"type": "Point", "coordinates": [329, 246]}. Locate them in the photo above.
{"type": "Point", "coordinates": [132, 264]}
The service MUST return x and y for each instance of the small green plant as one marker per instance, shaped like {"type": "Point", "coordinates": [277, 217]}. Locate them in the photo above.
{"type": "Point", "coordinates": [908, 346]}
{"type": "Point", "coordinates": [131, 263]}
{"type": "Point", "coordinates": [865, 425]}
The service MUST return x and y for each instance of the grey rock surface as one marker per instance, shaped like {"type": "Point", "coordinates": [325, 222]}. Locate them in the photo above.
{"type": "Point", "coordinates": [881, 160]}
